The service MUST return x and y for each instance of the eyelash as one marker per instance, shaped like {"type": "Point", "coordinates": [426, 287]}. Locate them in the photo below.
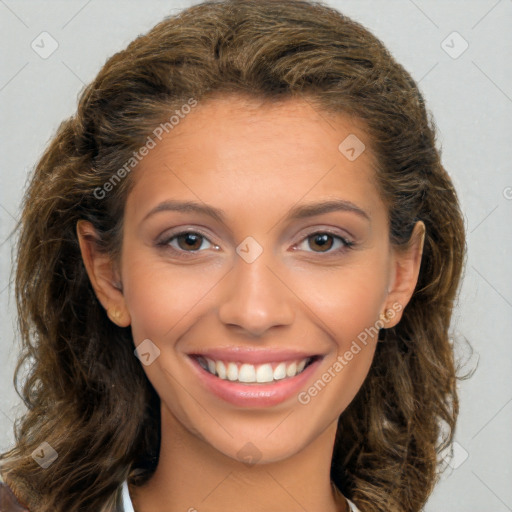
{"type": "Point", "coordinates": [165, 243]}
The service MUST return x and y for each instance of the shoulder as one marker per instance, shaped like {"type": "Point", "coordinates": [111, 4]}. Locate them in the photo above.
{"type": "Point", "coordinates": [8, 500]}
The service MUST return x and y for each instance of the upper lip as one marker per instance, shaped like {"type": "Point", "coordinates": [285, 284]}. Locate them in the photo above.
{"type": "Point", "coordinates": [254, 356]}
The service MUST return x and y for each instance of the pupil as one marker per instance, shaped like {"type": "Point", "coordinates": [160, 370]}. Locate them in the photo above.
{"type": "Point", "coordinates": [191, 240]}
{"type": "Point", "coordinates": [322, 241]}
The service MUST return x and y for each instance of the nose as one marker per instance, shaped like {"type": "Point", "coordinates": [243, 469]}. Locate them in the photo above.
{"type": "Point", "coordinates": [256, 298]}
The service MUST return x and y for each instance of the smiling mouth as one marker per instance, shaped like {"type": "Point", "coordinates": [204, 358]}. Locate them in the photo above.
{"type": "Point", "coordinates": [247, 373]}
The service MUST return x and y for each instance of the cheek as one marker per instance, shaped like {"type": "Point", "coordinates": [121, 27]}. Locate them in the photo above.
{"type": "Point", "coordinates": [347, 300]}
{"type": "Point", "coordinates": [346, 305]}
{"type": "Point", "coordinates": [161, 296]}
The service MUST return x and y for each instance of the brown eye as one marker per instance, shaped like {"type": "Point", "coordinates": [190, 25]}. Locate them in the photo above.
{"type": "Point", "coordinates": [186, 242]}
{"type": "Point", "coordinates": [189, 241]}
{"type": "Point", "coordinates": [322, 240]}
{"type": "Point", "coordinates": [325, 242]}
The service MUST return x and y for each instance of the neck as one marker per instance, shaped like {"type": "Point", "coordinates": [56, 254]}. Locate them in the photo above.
{"type": "Point", "coordinates": [193, 475]}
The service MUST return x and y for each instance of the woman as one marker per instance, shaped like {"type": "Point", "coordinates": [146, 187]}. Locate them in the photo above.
{"type": "Point", "coordinates": [236, 272]}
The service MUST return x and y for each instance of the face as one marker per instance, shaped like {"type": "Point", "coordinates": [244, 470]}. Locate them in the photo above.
{"type": "Point", "coordinates": [256, 305]}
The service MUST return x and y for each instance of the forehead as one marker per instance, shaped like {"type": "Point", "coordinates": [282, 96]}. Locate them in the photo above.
{"type": "Point", "coordinates": [237, 148]}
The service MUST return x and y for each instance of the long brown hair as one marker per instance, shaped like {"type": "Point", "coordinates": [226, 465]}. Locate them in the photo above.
{"type": "Point", "coordinates": [82, 376]}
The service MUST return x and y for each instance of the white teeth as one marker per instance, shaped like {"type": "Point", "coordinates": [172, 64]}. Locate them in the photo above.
{"type": "Point", "coordinates": [247, 373]}
{"type": "Point", "coordinates": [280, 371]}
{"type": "Point", "coordinates": [291, 370]}
{"type": "Point", "coordinates": [211, 365]}
{"type": "Point", "coordinates": [250, 373]}
{"type": "Point", "coordinates": [220, 369]}
{"type": "Point", "coordinates": [232, 371]}
{"type": "Point", "coordinates": [264, 373]}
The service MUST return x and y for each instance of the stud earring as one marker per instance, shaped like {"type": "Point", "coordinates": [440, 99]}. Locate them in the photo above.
{"type": "Point", "coordinates": [114, 315]}
{"type": "Point", "coordinates": [387, 314]}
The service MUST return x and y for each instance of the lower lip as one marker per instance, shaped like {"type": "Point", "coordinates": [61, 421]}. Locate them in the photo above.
{"type": "Point", "coordinates": [254, 395]}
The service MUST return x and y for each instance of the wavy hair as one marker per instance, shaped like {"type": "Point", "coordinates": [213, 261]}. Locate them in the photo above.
{"type": "Point", "coordinates": [81, 376]}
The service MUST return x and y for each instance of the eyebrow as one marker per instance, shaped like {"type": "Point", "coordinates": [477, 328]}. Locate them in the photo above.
{"type": "Point", "coordinates": [295, 213]}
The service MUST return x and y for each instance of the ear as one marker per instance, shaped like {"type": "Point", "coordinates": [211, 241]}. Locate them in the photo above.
{"type": "Point", "coordinates": [103, 274]}
{"type": "Point", "coordinates": [404, 275]}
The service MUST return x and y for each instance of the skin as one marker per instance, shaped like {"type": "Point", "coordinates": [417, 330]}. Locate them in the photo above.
{"type": "Point", "coordinates": [255, 162]}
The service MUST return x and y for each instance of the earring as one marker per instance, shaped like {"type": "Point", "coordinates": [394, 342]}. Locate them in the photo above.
{"type": "Point", "coordinates": [114, 314]}
{"type": "Point", "coordinates": [384, 316]}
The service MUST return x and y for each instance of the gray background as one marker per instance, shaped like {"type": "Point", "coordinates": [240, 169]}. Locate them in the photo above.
{"type": "Point", "coordinates": [471, 99]}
